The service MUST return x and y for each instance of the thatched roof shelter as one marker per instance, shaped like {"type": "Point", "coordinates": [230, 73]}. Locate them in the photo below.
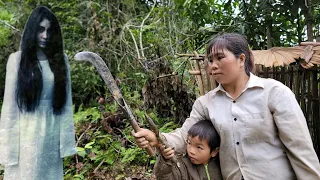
{"type": "Point", "coordinates": [307, 54]}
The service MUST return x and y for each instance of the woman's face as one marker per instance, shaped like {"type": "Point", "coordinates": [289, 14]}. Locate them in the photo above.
{"type": "Point", "coordinates": [43, 35]}
{"type": "Point", "coordinates": [225, 66]}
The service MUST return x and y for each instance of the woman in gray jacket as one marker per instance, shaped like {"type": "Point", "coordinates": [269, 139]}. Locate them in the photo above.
{"type": "Point", "coordinates": [263, 131]}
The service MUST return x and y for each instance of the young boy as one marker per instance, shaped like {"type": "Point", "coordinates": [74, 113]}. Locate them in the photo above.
{"type": "Point", "coordinates": [199, 163]}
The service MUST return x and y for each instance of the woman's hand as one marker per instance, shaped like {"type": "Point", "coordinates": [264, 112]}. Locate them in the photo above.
{"type": "Point", "coordinates": [167, 153]}
{"type": "Point", "coordinates": [145, 137]}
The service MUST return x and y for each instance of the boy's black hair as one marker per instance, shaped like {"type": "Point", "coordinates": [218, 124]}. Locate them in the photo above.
{"type": "Point", "coordinates": [206, 131]}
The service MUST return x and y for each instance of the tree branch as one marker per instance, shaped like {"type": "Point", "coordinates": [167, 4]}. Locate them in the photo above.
{"type": "Point", "coordinates": [83, 135]}
{"type": "Point", "coordinates": [7, 24]}
{"type": "Point", "coordinates": [141, 28]}
{"type": "Point", "coordinates": [135, 43]}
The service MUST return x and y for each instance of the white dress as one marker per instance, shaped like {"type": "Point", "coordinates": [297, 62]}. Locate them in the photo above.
{"type": "Point", "coordinates": [36, 142]}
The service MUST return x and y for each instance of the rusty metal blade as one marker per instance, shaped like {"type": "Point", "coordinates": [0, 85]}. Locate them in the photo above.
{"type": "Point", "coordinates": [106, 75]}
{"type": "Point", "coordinates": [102, 68]}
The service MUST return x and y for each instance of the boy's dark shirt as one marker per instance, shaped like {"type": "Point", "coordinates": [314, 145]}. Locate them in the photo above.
{"type": "Point", "coordinates": [166, 170]}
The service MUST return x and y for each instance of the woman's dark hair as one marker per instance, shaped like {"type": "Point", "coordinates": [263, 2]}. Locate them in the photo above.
{"type": "Point", "coordinates": [236, 44]}
{"type": "Point", "coordinates": [29, 85]}
{"type": "Point", "coordinates": [205, 131]}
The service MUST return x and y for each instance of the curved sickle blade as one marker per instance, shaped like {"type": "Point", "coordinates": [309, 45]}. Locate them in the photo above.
{"type": "Point", "coordinates": [106, 75]}
{"type": "Point", "coordinates": [103, 69]}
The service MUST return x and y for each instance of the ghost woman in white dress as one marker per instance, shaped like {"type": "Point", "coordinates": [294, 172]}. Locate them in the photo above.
{"type": "Point", "coordinates": [36, 125]}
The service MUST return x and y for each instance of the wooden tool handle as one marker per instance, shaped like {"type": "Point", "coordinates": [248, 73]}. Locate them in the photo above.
{"type": "Point", "coordinates": [150, 151]}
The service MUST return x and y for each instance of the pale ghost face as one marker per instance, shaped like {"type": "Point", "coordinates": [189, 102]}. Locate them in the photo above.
{"type": "Point", "coordinates": [43, 34]}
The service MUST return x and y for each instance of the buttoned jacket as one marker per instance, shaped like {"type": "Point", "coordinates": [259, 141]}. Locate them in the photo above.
{"type": "Point", "coordinates": [263, 132]}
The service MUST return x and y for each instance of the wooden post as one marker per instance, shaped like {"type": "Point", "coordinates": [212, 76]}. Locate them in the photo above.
{"type": "Point", "coordinates": [309, 98]}
{"type": "Point", "coordinates": [291, 78]}
{"type": "Point", "coordinates": [274, 73]}
{"type": "Point", "coordinates": [283, 75]}
{"type": "Point", "coordinates": [197, 68]}
{"type": "Point", "coordinates": [315, 112]}
{"type": "Point", "coordinates": [303, 92]}
{"type": "Point", "coordinates": [297, 87]}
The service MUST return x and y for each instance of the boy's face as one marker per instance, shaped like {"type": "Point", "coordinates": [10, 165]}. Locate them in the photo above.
{"type": "Point", "coordinates": [199, 150]}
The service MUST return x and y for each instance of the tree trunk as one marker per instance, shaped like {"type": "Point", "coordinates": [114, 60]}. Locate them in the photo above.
{"type": "Point", "coordinates": [269, 27]}
{"type": "Point", "coordinates": [309, 19]}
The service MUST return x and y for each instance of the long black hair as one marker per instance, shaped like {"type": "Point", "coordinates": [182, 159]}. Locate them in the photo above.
{"type": "Point", "coordinates": [29, 84]}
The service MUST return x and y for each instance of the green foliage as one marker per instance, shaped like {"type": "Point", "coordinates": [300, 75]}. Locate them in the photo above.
{"type": "Point", "coordinates": [96, 146]}
{"type": "Point", "coordinates": [131, 154]}
{"type": "Point", "coordinates": [199, 11]}
{"type": "Point", "coordinates": [91, 114]}
{"type": "Point", "coordinates": [5, 20]}
{"type": "Point", "coordinates": [168, 127]}
{"type": "Point", "coordinates": [86, 84]}
{"type": "Point", "coordinates": [8, 31]}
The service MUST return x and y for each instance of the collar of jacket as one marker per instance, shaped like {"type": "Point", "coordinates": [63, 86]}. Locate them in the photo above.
{"type": "Point", "coordinates": [254, 81]}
